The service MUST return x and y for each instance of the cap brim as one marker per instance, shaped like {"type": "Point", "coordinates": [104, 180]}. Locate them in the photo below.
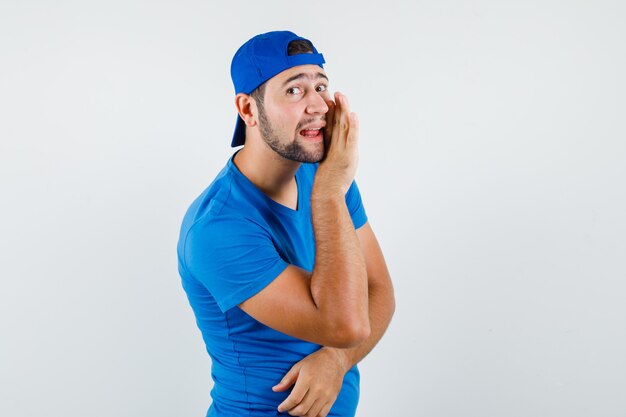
{"type": "Point", "coordinates": [239, 138]}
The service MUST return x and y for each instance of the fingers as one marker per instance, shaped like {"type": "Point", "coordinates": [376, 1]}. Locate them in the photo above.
{"type": "Point", "coordinates": [315, 408]}
{"type": "Point", "coordinates": [325, 410]}
{"type": "Point", "coordinates": [312, 402]}
{"type": "Point", "coordinates": [288, 380]}
{"type": "Point", "coordinates": [305, 407]}
{"type": "Point", "coordinates": [311, 407]}
{"type": "Point", "coordinates": [295, 398]}
{"type": "Point", "coordinates": [329, 122]}
{"type": "Point", "coordinates": [340, 120]}
{"type": "Point", "coordinates": [353, 133]}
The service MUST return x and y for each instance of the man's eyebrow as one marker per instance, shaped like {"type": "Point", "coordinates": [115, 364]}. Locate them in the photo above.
{"type": "Point", "coordinates": [303, 75]}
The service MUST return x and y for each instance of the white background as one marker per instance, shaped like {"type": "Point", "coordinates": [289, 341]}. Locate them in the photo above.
{"type": "Point", "coordinates": [493, 168]}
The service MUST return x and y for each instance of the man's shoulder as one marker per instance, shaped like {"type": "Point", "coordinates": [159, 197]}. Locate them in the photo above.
{"type": "Point", "coordinates": [229, 199]}
{"type": "Point", "coordinates": [212, 198]}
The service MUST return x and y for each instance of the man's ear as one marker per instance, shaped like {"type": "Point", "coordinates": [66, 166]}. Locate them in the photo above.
{"type": "Point", "coordinates": [246, 108]}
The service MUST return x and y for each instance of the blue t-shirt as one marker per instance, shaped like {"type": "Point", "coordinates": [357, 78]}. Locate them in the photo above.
{"type": "Point", "coordinates": [234, 241]}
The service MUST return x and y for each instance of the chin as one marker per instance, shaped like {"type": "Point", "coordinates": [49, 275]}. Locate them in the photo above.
{"type": "Point", "coordinates": [313, 157]}
{"type": "Point", "coordinates": [314, 160]}
{"type": "Point", "coordinates": [299, 152]}
{"type": "Point", "coordinates": [308, 158]}
{"type": "Point", "coordinates": [312, 154]}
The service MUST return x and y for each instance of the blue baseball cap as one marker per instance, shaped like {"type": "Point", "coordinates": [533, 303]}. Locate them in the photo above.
{"type": "Point", "coordinates": [260, 59]}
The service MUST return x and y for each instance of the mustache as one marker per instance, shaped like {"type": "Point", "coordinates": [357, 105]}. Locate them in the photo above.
{"type": "Point", "coordinates": [303, 123]}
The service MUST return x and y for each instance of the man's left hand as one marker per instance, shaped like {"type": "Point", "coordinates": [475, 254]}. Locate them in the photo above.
{"type": "Point", "coordinates": [318, 379]}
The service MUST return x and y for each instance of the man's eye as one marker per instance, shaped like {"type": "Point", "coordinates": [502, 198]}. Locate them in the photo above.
{"type": "Point", "coordinates": [294, 90]}
{"type": "Point", "coordinates": [321, 88]}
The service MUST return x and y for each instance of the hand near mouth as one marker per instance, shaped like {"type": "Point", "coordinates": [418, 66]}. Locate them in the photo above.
{"type": "Point", "coordinates": [338, 167]}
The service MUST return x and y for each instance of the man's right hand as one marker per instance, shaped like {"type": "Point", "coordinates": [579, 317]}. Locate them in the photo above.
{"type": "Point", "coordinates": [336, 172]}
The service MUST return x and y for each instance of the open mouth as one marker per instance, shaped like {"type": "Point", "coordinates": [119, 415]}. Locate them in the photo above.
{"type": "Point", "coordinates": [313, 134]}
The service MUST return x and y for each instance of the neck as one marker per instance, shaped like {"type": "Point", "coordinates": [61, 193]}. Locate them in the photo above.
{"type": "Point", "coordinates": [270, 172]}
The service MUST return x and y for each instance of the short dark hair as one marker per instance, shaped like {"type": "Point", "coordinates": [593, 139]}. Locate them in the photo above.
{"type": "Point", "coordinates": [296, 47]}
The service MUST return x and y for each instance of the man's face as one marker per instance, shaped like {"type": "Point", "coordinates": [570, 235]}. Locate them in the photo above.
{"type": "Point", "coordinates": [292, 116]}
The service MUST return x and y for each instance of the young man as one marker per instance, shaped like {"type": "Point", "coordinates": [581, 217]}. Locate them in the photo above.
{"type": "Point", "coordinates": [282, 270]}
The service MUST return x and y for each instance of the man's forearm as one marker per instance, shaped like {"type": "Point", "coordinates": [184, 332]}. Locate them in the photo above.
{"type": "Point", "coordinates": [339, 281]}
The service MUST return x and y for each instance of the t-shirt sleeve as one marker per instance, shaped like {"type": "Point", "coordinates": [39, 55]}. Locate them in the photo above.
{"type": "Point", "coordinates": [233, 258]}
{"type": "Point", "coordinates": [355, 206]}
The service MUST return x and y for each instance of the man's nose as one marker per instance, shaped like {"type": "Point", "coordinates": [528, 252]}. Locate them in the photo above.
{"type": "Point", "coordinates": [316, 104]}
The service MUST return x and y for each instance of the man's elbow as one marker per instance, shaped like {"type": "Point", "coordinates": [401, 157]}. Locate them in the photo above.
{"type": "Point", "coordinates": [392, 305]}
{"type": "Point", "coordinates": [350, 334]}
